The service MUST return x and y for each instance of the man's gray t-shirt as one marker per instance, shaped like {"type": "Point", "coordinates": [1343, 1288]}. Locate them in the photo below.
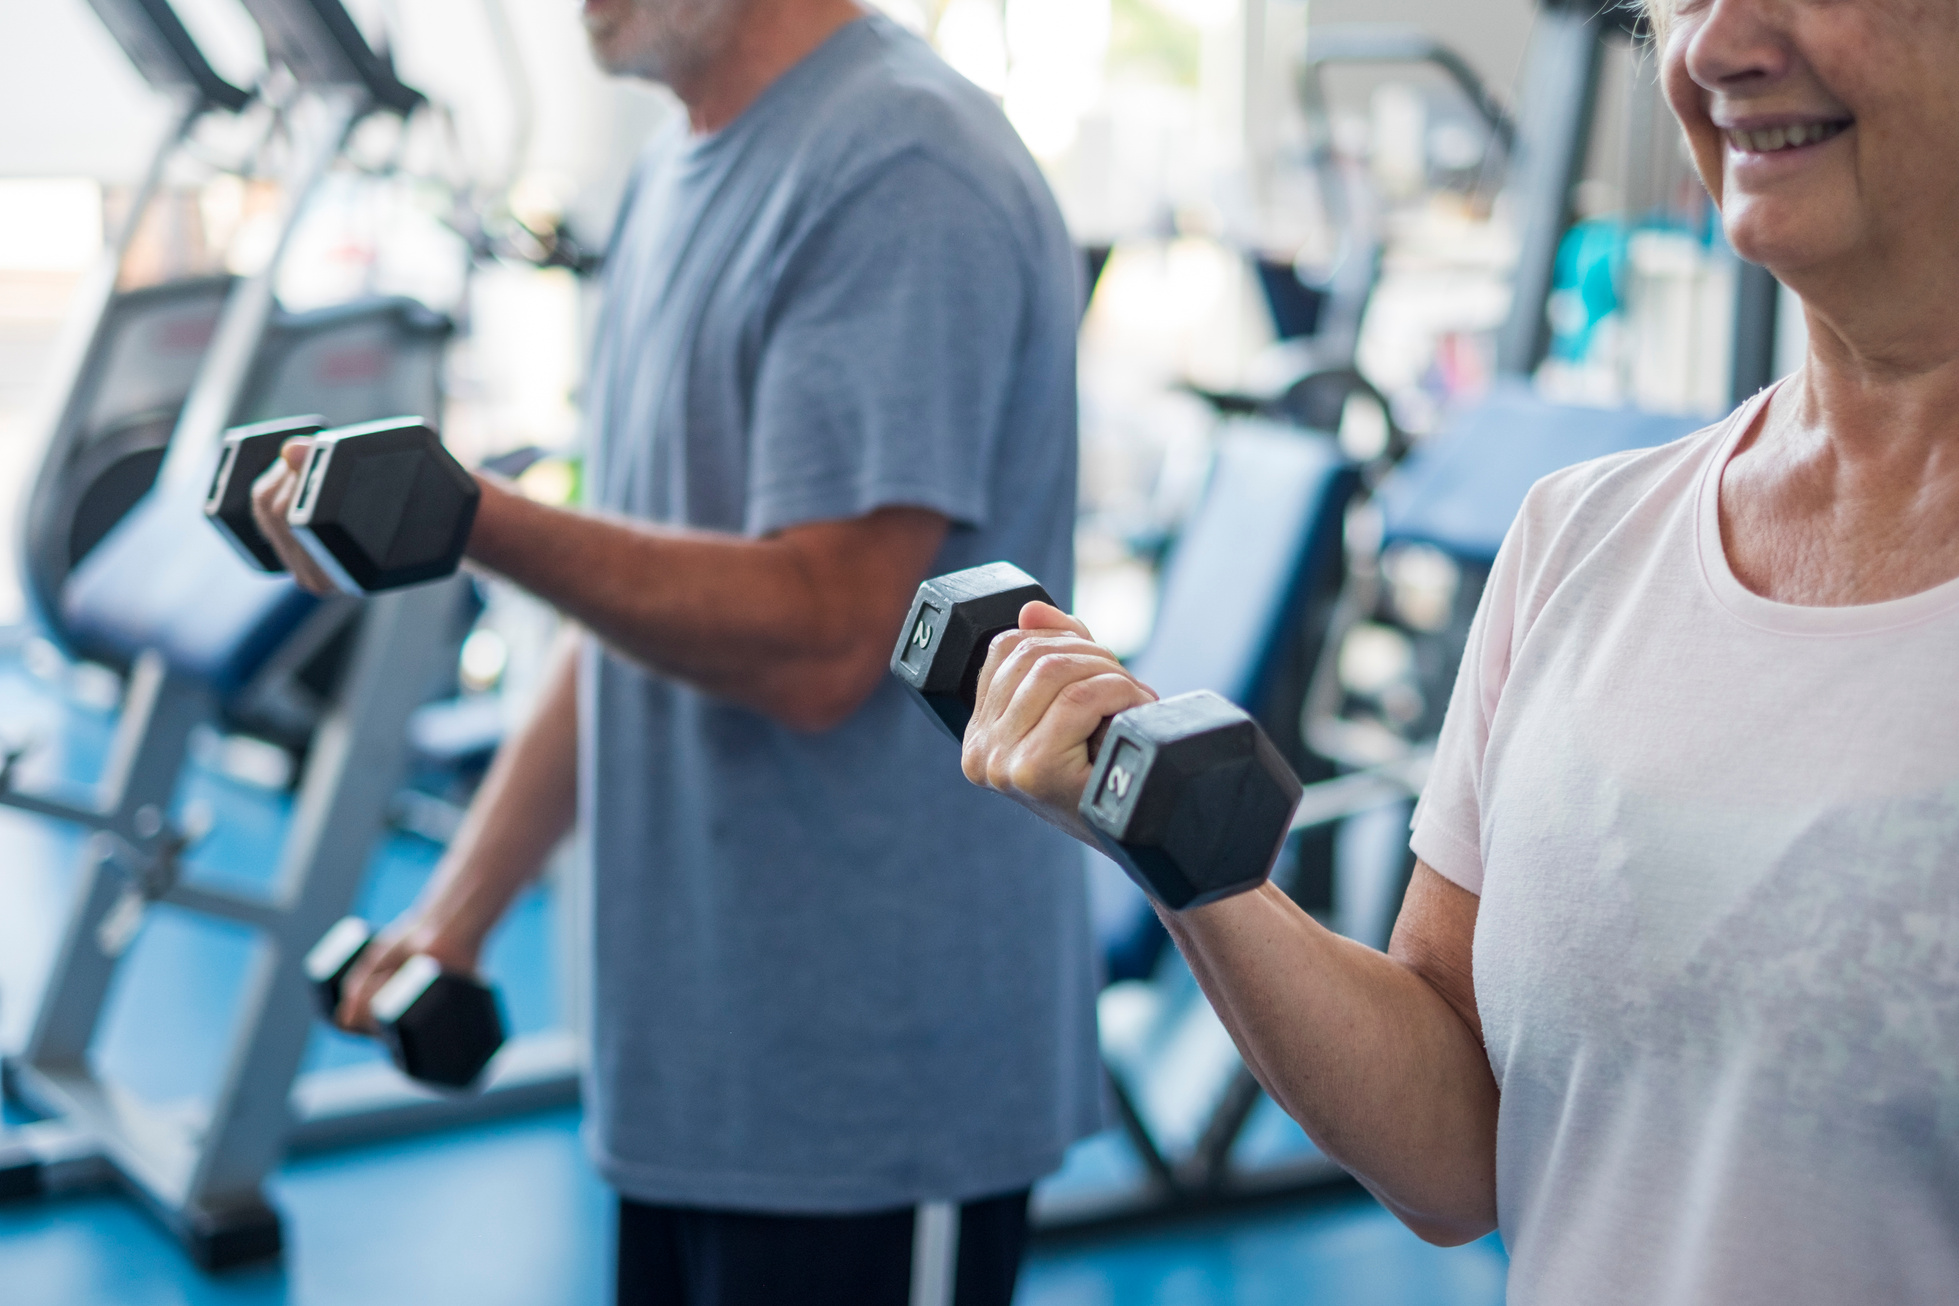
{"type": "Point", "coordinates": [831, 975]}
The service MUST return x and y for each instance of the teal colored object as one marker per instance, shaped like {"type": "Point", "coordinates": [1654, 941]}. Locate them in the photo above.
{"type": "Point", "coordinates": [1585, 285]}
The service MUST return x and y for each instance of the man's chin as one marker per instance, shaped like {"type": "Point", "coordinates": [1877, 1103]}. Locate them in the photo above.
{"type": "Point", "coordinates": [614, 54]}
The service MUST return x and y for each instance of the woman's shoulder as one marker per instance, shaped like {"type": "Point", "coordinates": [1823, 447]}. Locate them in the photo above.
{"type": "Point", "coordinates": [1607, 508]}
{"type": "Point", "coordinates": [1593, 498]}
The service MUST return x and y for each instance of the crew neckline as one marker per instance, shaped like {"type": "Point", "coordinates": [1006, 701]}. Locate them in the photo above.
{"type": "Point", "coordinates": [698, 149]}
{"type": "Point", "coordinates": [1790, 618]}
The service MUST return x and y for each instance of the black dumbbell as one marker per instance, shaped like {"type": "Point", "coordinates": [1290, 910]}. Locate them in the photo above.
{"type": "Point", "coordinates": [440, 1028]}
{"type": "Point", "coordinates": [1188, 795]}
{"type": "Point", "coordinates": [381, 505]}
{"type": "Point", "coordinates": [952, 621]}
{"type": "Point", "coordinates": [248, 451]}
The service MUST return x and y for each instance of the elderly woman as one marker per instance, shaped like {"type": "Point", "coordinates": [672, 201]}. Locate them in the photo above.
{"type": "Point", "coordinates": [1673, 1001]}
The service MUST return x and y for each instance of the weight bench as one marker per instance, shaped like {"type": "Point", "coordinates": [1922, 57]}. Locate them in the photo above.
{"type": "Point", "coordinates": [1459, 491]}
{"type": "Point", "coordinates": [164, 595]}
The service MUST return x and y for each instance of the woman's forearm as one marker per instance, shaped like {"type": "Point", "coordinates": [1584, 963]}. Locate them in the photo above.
{"type": "Point", "coordinates": [1380, 1069]}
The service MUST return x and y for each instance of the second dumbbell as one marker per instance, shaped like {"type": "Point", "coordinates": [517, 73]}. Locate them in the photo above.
{"type": "Point", "coordinates": [1188, 795]}
{"type": "Point", "coordinates": [440, 1027]}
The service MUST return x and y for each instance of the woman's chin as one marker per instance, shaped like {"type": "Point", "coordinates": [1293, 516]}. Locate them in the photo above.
{"type": "Point", "coordinates": [1781, 236]}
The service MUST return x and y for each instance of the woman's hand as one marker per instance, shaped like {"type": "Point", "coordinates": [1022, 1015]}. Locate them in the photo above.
{"type": "Point", "coordinates": [1044, 694]}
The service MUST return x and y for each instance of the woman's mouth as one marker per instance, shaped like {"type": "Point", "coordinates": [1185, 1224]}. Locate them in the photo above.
{"type": "Point", "coordinates": [1788, 136]}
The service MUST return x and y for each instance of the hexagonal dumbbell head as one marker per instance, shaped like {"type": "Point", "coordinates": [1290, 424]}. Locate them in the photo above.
{"type": "Point", "coordinates": [383, 505]}
{"type": "Point", "coordinates": [440, 1028]}
{"type": "Point", "coordinates": [248, 451]}
{"type": "Point", "coordinates": [943, 643]}
{"type": "Point", "coordinates": [1190, 798]}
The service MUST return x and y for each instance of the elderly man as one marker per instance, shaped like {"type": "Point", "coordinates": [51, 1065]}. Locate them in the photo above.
{"type": "Point", "coordinates": [833, 983]}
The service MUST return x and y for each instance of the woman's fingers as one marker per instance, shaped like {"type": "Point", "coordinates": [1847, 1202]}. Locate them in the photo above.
{"type": "Point", "coordinates": [1046, 766]}
{"type": "Point", "coordinates": [1053, 757]}
{"type": "Point", "coordinates": [1044, 694]}
{"type": "Point", "coordinates": [1010, 656]}
{"type": "Point", "coordinates": [1045, 616]}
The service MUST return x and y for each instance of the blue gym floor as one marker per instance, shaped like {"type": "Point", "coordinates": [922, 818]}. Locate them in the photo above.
{"type": "Point", "coordinates": [508, 1212]}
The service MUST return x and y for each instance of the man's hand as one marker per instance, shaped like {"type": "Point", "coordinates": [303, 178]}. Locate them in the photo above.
{"type": "Point", "coordinates": [1043, 695]}
{"type": "Point", "coordinates": [411, 935]}
{"type": "Point", "coordinates": [272, 498]}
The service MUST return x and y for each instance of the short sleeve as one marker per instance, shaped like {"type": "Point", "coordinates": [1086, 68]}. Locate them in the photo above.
{"type": "Point", "coordinates": [1448, 822]}
{"type": "Point", "coordinates": [885, 370]}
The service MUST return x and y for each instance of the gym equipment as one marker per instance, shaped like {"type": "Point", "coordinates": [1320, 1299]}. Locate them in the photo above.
{"type": "Point", "coordinates": [248, 452]}
{"type": "Point", "coordinates": [440, 1028]}
{"type": "Point", "coordinates": [1188, 795]}
{"type": "Point", "coordinates": [207, 639]}
{"type": "Point", "coordinates": [155, 40]}
{"type": "Point", "coordinates": [1417, 572]}
{"type": "Point", "coordinates": [138, 369]}
{"type": "Point", "coordinates": [126, 359]}
{"type": "Point", "coordinates": [1316, 314]}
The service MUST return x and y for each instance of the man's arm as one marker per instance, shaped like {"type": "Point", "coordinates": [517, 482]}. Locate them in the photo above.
{"type": "Point", "coordinates": [1379, 1057]}
{"type": "Point", "coordinates": [797, 625]}
{"type": "Point", "coordinates": [525, 805]}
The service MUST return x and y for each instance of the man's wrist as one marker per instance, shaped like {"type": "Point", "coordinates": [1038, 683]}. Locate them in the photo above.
{"type": "Point", "coordinates": [455, 924]}
{"type": "Point", "coordinates": [489, 533]}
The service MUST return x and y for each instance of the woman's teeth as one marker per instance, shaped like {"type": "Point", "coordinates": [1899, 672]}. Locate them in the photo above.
{"type": "Point", "coordinates": [1767, 140]}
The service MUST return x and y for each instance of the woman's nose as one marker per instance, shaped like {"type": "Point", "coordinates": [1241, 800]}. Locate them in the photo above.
{"type": "Point", "coordinates": [1738, 43]}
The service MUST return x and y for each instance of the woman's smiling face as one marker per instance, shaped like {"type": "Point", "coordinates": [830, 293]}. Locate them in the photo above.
{"type": "Point", "coordinates": [1826, 130]}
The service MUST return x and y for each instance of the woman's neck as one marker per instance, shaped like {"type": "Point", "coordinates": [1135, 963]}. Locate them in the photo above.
{"type": "Point", "coordinates": [1847, 490]}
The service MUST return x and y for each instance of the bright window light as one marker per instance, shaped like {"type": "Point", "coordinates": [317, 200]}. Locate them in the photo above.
{"type": "Point", "coordinates": [49, 224]}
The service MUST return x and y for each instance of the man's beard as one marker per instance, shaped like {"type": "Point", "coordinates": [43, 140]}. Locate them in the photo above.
{"type": "Point", "coordinates": [662, 40]}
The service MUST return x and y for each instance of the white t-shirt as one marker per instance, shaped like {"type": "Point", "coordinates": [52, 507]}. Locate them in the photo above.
{"type": "Point", "coordinates": [1717, 956]}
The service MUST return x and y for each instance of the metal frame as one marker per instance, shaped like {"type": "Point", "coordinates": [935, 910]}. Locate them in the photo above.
{"type": "Point", "coordinates": [201, 1172]}
{"type": "Point", "coordinates": [157, 43]}
{"type": "Point", "coordinates": [1557, 103]}
{"type": "Point", "coordinates": [202, 1175]}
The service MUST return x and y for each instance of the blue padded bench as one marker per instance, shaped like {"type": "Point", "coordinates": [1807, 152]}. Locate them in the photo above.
{"type": "Point", "coordinates": [1460, 490]}
{"type": "Point", "coordinates": [1234, 593]}
{"type": "Point", "coordinates": [1244, 565]}
{"type": "Point", "coordinates": [163, 579]}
